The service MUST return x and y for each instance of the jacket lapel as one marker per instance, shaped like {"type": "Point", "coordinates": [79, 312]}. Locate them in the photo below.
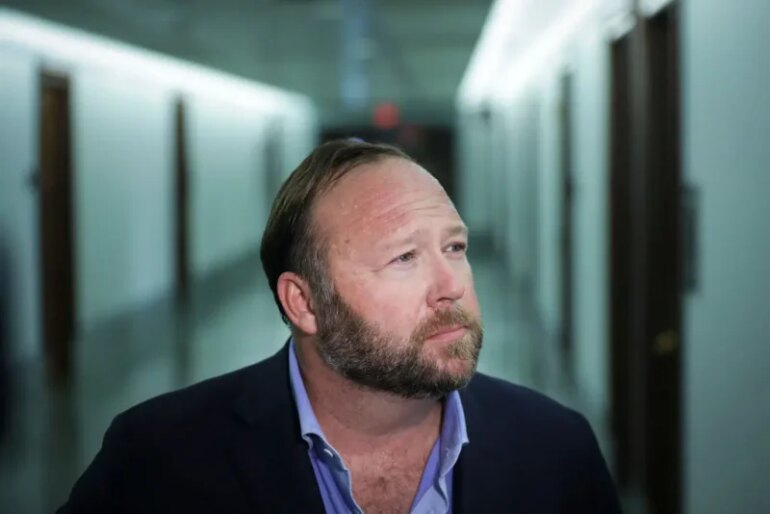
{"type": "Point", "coordinates": [266, 444]}
{"type": "Point", "coordinates": [475, 477]}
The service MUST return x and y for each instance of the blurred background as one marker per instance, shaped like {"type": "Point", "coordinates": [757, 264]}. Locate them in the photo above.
{"type": "Point", "coordinates": [609, 156]}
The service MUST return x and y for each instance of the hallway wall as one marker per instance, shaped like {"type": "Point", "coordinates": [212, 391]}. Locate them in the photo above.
{"type": "Point", "coordinates": [226, 167]}
{"type": "Point", "coordinates": [548, 280]}
{"type": "Point", "coordinates": [726, 155]}
{"type": "Point", "coordinates": [18, 203]}
{"type": "Point", "coordinates": [590, 266]}
{"type": "Point", "coordinates": [123, 164]}
{"type": "Point", "coordinates": [122, 102]}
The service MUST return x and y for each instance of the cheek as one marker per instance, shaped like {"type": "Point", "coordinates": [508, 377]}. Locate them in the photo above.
{"type": "Point", "coordinates": [391, 306]}
{"type": "Point", "coordinates": [394, 309]}
{"type": "Point", "coordinates": [398, 311]}
{"type": "Point", "coordinates": [470, 301]}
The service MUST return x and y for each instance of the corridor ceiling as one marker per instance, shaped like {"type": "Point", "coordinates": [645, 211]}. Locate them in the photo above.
{"type": "Point", "coordinates": [347, 55]}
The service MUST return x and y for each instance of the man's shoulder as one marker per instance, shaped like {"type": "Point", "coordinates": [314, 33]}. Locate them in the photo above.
{"type": "Point", "coordinates": [502, 403]}
{"type": "Point", "coordinates": [558, 463]}
{"type": "Point", "coordinates": [204, 395]}
{"type": "Point", "coordinates": [205, 405]}
{"type": "Point", "coordinates": [488, 389]}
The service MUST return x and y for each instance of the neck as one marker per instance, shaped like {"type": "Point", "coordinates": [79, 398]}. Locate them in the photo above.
{"type": "Point", "coordinates": [354, 416]}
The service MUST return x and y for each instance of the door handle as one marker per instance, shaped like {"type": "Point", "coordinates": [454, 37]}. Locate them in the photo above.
{"type": "Point", "coordinates": [665, 343]}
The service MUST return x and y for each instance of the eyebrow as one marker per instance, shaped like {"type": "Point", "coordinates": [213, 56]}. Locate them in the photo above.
{"type": "Point", "coordinates": [455, 230]}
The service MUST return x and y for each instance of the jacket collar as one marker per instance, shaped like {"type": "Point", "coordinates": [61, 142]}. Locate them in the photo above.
{"type": "Point", "coordinates": [266, 445]}
{"type": "Point", "coordinates": [472, 480]}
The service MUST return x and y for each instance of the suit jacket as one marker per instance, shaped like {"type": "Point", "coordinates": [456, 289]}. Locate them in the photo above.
{"type": "Point", "coordinates": [232, 444]}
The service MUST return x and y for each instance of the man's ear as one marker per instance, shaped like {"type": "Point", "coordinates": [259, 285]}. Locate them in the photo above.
{"type": "Point", "coordinates": [294, 294]}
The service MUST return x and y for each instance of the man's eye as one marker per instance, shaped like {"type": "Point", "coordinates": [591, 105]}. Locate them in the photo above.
{"type": "Point", "coordinates": [405, 257]}
{"type": "Point", "coordinates": [458, 247]}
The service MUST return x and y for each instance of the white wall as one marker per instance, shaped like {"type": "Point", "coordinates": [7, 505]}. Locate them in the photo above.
{"type": "Point", "coordinates": [547, 296]}
{"type": "Point", "coordinates": [226, 182]}
{"type": "Point", "coordinates": [517, 190]}
{"type": "Point", "coordinates": [590, 230]}
{"type": "Point", "coordinates": [727, 327]}
{"type": "Point", "coordinates": [226, 141]}
{"type": "Point", "coordinates": [123, 141]}
{"type": "Point", "coordinates": [299, 132]}
{"type": "Point", "coordinates": [18, 199]}
{"type": "Point", "coordinates": [473, 171]}
{"type": "Point", "coordinates": [499, 177]}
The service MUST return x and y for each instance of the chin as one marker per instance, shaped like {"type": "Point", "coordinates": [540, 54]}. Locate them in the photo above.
{"type": "Point", "coordinates": [456, 367]}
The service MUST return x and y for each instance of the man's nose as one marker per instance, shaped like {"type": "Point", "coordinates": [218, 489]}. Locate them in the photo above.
{"type": "Point", "coordinates": [447, 285]}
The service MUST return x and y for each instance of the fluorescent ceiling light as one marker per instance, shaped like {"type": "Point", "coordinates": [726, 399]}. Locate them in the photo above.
{"type": "Point", "coordinates": [520, 38]}
{"type": "Point", "coordinates": [490, 50]}
{"type": "Point", "coordinates": [541, 52]}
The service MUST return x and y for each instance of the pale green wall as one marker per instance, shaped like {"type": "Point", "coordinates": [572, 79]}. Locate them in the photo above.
{"type": "Point", "coordinates": [474, 162]}
{"type": "Point", "coordinates": [226, 182]}
{"type": "Point", "coordinates": [549, 206]}
{"type": "Point", "coordinates": [123, 165]}
{"type": "Point", "coordinates": [727, 327]}
{"type": "Point", "coordinates": [590, 154]}
{"type": "Point", "coordinates": [18, 200]}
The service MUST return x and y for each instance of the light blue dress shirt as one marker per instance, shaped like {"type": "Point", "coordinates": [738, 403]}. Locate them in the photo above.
{"type": "Point", "coordinates": [434, 496]}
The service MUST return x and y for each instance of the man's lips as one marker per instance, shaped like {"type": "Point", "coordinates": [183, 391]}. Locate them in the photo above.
{"type": "Point", "coordinates": [449, 332]}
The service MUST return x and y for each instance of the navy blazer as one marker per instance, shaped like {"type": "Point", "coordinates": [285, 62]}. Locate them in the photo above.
{"type": "Point", "coordinates": [232, 444]}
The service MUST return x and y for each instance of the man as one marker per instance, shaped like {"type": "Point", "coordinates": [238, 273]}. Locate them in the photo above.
{"type": "Point", "coordinates": [374, 404]}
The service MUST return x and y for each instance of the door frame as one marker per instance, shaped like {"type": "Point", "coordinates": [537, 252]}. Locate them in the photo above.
{"type": "Point", "coordinates": [566, 224]}
{"type": "Point", "coordinates": [181, 203]}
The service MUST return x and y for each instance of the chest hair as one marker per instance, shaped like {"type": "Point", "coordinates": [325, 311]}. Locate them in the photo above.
{"type": "Point", "coordinates": [387, 482]}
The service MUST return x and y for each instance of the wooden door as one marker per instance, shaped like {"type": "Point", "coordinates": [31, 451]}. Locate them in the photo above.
{"type": "Point", "coordinates": [645, 261]}
{"type": "Point", "coordinates": [663, 320]}
{"type": "Point", "coordinates": [56, 226]}
{"type": "Point", "coordinates": [620, 225]}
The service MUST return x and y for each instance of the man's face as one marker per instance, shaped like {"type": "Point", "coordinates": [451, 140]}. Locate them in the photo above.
{"type": "Point", "coordinates": [400, 313]}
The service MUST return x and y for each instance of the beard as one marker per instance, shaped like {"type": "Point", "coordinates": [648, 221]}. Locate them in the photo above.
{"type": "Point", "coordinates": [373, 358]}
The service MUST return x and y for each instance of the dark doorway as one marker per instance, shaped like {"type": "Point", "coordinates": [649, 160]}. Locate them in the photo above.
{"type": "Point", "coordinates": [181, 200]}
{"type": "Point", "coordinates": [56, 226]}
{"type": "Point", "coordinates": [566, 230]}
{"type": "Point", "coordinates": [645, 261]}
{"type": "Point", "coordinates": [620, 259]}
{"type": "Point", "coordinates": [663, 385]}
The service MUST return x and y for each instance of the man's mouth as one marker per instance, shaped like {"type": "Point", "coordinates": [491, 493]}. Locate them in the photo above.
{"type": "Point", "coordinates": [449, 333]}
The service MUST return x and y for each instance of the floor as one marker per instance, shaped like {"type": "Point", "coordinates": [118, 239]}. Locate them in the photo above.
{"type": "Point", "coordinates": [55, 432]}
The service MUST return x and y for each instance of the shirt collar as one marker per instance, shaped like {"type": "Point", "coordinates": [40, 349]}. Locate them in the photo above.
{"type": "Point", "coordinates": [308, 423]}
{"type": "Point", "coordinates": [454, 434]}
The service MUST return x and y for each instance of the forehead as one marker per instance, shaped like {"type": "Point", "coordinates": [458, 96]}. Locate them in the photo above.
{"type": "Point", "coordinates": [378, 198]}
